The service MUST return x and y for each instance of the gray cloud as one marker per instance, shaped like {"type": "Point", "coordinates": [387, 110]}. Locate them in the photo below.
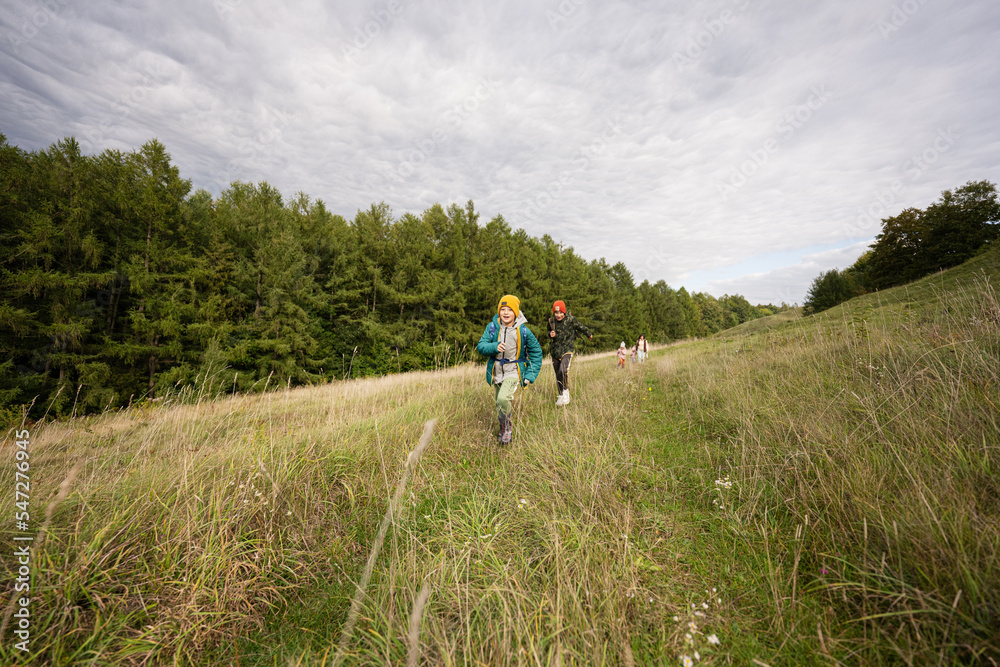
{"type": "Point", "coordinates": [689, 141]}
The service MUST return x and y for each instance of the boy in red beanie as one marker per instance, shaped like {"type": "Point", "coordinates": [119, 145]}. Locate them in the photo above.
{"type": "Point", "coordinates": [563, 328]}
{"type": "Point", "coordinates": [514, 358]}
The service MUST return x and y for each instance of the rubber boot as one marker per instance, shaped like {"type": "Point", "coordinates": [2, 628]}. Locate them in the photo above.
{"type": "Point", "coordinates": [506, 429]}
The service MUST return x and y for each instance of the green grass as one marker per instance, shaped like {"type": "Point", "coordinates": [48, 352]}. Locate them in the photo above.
{"type": "Point", "coordinates": [818, 490]}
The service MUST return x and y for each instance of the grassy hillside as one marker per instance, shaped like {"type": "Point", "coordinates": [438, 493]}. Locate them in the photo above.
{"type": "Point", "coordinates": [821, 490]}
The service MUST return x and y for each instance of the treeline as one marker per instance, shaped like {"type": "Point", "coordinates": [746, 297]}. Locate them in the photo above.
{"type": "Point", "coordinates": [120, 284]}
{"type": "Point", "coordinates": [916, 243]}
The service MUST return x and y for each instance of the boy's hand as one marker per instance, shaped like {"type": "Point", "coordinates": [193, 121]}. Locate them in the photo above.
{"type": "Point", "coordinates": [527, 382]}
{"type": "Point", "coordinates": [552, 334]}
{"type": "Point", "coordinates": [500, 347]}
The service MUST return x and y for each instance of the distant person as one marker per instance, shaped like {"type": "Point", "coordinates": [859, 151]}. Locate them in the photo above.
{"type": "Point", "coordinates": [642, 347]}
{"type": "Point", "coordinates": [622, 353]}
{"type": "Point", "coordinates": [633, 352]}
{"type": "Point", "coordinates": [514, 358]}
{"type": "Point", "coordinates": [563, 328]}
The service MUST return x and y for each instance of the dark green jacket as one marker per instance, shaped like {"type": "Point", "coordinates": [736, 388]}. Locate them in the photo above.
{"type": "Point", "coordinates": [565, 335]}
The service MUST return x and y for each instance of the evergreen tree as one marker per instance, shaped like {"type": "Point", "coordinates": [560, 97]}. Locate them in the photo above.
{"type": "Point", "coordinates": [417, 285]}
{"type": "Point", "coordinates": [59, 268]}
{"type": "Point", "coordinates": [207, 281]}
{"type": "Point", "coordinates": [663, 312]}
{"type": "Point", "coordinates": [692, 319]}
{"type": "Point", "coordinates": [375, 258]}
{"type": "Point", "coordinates": [626, 313]}
{"type": "Point", "coordinates": [19, 380]}
{"type": "Point", "coordinates": [159, 258]}
{"type": "Point", "coordinates": [273, 289]}
{"type": "Point", "coordinates": [331, 252]}
{"type": "Point", "coordinates": [493, 255]}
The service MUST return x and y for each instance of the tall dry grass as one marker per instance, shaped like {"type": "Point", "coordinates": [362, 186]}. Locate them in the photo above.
{"type": "Point", "coordinates": [531, 554]}
{"type": "Point", "coordinates": [864, 446]}
{"type": "Point", "coordinates": [194, 521]}
{"type": "Point", "coordinates": [189, 520]}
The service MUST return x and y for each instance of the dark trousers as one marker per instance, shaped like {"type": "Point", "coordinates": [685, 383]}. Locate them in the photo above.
{"type": "Point", "coordinates": [561, 367]}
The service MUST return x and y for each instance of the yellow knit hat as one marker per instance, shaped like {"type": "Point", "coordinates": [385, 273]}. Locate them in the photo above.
{"type": "Point", "coordinates": [511, 302]}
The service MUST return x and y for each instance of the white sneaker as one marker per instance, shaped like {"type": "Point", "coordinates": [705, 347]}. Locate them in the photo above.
{"type": "Point", "coordinates": [562, 399]}
{"type": "Point", "coordinates": [565, 397]}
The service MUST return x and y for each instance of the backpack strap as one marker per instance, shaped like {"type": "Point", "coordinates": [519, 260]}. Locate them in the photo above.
{"type": "Point", "coordinates": [523, 357]}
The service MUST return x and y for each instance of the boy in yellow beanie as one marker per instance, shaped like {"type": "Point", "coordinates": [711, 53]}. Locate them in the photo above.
{"type": "Point", "coordinates": [514, 358]}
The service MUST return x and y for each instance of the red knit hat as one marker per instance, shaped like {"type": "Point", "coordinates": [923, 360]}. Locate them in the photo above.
{"type": "Point", "coordinates": [559, 306]}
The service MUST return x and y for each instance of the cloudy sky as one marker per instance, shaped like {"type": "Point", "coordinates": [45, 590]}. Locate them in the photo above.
{"type": "Point", "coordinates": [727, 146]}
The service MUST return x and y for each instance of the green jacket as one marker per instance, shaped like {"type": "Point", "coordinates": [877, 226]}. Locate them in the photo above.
{"type": "Point", "coordinates": [565, 335]}
{"type": "Point", "coordinates": [528, 354]}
